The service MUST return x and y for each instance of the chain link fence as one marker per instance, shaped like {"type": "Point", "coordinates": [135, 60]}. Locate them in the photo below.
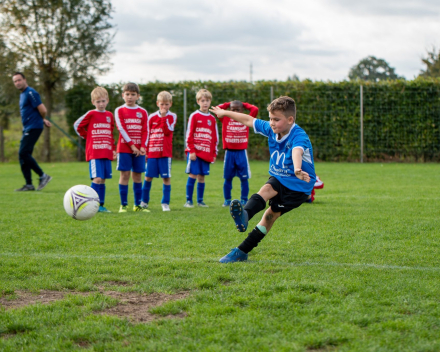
{"type": "Point", "coordinates": [385, 121]}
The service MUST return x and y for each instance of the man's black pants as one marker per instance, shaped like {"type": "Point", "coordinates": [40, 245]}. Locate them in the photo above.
{"type": "Point", "coordinates": [27, 162]}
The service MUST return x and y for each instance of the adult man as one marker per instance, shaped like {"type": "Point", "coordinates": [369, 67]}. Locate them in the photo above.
{"type": "Point", "coordinates": [33, 113]}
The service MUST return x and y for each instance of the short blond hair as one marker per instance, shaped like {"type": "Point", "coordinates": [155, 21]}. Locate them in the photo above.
{"type": "Point", "coordinates": [203, 93]}
{"type": "Point", "coordinates": [165, 97]}
{"type": "Point", "coordinates": [99, 92]}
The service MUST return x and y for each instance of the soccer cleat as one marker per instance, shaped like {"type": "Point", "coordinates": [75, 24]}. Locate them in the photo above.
{"type": "Point", "coordinates": [25, 188]}
{"type": "Point", "coordinates": [44, 180]}
{"type": "Point", "coordinates": [188, 204]}
{"type": "Point", "coordinates": [318, 183]}
{"type": "Point", "coordinates": [103, 209]}
{"type": "Point", "coordinates": [140, 208]}
{"type": "Point", "coordinates": [202, 205]}
{"type": "Point", "coordinates": [144, 205]}
{"type": "Point", "coordinates": [239, 215]}
{"type": "Point", "coordinates": [236, 255]}
{"type": "Point", "coordinates": [243, 202]}
{"type": "Point", "coordinates": [165, 207]}
{"type": "Point", "coordinates": [123, 208]}
{"type": "Point", "coordinates": [227, 203]}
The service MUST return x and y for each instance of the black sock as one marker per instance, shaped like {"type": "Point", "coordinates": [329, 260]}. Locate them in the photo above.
{"type": "Point", "coordinates": [251, 241]}
{"type": "Point", "coordinates": [254, 205]}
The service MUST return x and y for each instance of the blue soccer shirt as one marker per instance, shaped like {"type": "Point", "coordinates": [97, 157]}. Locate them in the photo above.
{"type": "Point", "coordinates": [281, 163]}
{"type": "Point", "coordinates": [30, 116]}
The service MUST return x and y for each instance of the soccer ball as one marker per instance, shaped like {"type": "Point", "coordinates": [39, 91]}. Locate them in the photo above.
{"type": "Point", "coordinates": [81, 202]}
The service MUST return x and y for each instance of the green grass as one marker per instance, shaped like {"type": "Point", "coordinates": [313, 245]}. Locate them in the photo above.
{"type": "Point", "coordinates": [358, 270]}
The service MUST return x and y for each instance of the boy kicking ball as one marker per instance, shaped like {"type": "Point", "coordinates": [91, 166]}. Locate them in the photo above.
{"type": "Point", "coordinates": [291, 169]}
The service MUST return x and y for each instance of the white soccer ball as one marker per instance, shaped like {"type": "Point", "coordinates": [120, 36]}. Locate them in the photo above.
{"type": "Point", "coordinates": [81, 202]}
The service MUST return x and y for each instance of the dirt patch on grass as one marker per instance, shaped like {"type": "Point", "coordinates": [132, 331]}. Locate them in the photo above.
{"type": "Point", "coordinates": [23, 298]}
{"type": "Point", "coordinates": [136, 306]}
{"type": "Point", "coordinates": [132, 305]}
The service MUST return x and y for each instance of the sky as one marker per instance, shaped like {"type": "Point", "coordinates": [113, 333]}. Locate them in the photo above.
{"type": "Point", "coordinates": [174, 40]}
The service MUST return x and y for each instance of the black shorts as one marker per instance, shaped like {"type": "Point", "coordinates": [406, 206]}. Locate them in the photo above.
{"type": "Point", "coordinates": [286, 199]}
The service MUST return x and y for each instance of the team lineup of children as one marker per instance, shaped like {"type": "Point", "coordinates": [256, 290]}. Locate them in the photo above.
{"type": "Point", "coordinates": [145, 145]}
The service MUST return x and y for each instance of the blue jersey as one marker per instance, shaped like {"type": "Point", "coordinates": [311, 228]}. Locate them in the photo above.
{"type": "Point", "coordinates": [30, 116]}
{"type": "Point", "coordinates": [281, 163]}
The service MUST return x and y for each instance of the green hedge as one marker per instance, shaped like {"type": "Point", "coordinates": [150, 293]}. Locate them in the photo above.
{"type": "Point", "coordinates": [401, 118]}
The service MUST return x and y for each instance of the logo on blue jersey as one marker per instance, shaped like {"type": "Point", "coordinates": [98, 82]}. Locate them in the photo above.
{"type": "Point", "coordinates": [278, 158]}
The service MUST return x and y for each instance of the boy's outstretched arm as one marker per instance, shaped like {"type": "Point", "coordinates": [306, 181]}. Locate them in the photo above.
{"type": "Point", "coordinates": [243, 118]}
{"type": "Point", "coordinates": [297, 154]}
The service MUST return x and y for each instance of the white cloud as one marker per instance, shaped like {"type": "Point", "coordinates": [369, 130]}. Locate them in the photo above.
{"type": "Point", "coordinates": [321, 40]}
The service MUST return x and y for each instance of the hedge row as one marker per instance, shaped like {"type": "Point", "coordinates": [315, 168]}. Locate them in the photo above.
{"type": "Point", "coordinates": [401, 118]}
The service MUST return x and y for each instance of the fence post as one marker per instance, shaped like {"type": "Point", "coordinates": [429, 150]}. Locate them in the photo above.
{"type": "Point", "coordinates": [184, 121]}
{"type": "Point", "coordinates": [271, 94]}
{"type": "Point", "coordinates": [362, 121]}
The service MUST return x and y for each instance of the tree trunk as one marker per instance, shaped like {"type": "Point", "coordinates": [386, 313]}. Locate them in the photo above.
{"type": "Point", "coordinates": [46, 141]}
{"type": "Point", "coordinates": [2, 145]}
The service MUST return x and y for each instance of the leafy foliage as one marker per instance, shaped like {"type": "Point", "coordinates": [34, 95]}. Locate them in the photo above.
{"type": "Point", "coordinates": [59, 40]}
{"type": "Point", "coordinates": [432, 62]}
{"type": "Point", "coordinates": [372, 69]}
{"type": "Point", "coordinates": [401, 118]}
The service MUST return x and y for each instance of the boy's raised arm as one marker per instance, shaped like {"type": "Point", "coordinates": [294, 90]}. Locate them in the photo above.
{"type": "Point", "coordinates": [243, 118]}
{"type": "Point", "coordinates": [297, 154]}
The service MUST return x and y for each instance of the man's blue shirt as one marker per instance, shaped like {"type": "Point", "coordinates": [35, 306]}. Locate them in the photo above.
{"type": "Point", "coordinates": [281, 163]}
{"type": "Point", "coordinates": [30, 116]}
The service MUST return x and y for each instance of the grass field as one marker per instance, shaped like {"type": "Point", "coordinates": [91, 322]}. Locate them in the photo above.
{"type": "Point", "coordinates": [358, 270]}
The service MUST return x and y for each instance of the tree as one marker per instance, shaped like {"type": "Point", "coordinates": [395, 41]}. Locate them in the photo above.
{"type": "Point", "coordinates": [60, 40]}
{"type": "Point", "coordinates": [7, 90]}
{"type": "Point", "coordinates": [432, 63]}
{"type": "Point", "coordinates": [372, 69]}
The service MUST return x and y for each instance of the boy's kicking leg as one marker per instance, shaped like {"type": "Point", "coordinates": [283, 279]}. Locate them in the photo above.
{"type": "Point", "coordinates": [240, 253]}
{"type": "Point", "coordinates": [254, 205]}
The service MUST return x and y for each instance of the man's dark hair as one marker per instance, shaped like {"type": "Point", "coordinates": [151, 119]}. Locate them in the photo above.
{"type": "Point", "coordinates": [19, 73]}
{"type": "Point", "coordinates": [131, 87]}
{"type": "Point", "coordinates": [284, 104]}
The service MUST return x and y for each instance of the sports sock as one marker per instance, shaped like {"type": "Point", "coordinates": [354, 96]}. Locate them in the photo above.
{"type": "Point", "coordinates": [254, 205]}
{"type": "Point", "coordinates": [95, 186]}
{"type": "Point", "coordinates": [102, 193]}
{"type": "Point", "coordinates": [227, 188]}
{"type": "Point", "coordinates": [190, 188]}
{"type": "Point", "coordinates": [146, 191]}
{"type": "Point", "coordinates": [244, 189]}
{"type": "Point", "coordinates": [200, 191]}
{"type": "Point", "coordinates": [137, 190]}
{"type": "Point", "coordinates": [262, 229]}
{"type": "Point", "coordinates": [254, 237]}
{"type": "Point", "coordinates": [123, 193]}
{"type": "Point", "coordinates": [166, 189]}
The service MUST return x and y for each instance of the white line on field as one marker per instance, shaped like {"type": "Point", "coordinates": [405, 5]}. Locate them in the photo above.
{"type": "Point", "coordinates": [151, 258]}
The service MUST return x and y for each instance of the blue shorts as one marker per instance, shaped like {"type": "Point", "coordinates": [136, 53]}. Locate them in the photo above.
{"type": "Point", "coordinates": [197, 167]}
{"type": "Point", "coordinates": [101, 168]}
{"type": "Point", "coordinates": [236, 163]}
{"type": "Point", "coordinates": [156, 167]}
{"type": "Point", "coordinates": [131, 162]}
